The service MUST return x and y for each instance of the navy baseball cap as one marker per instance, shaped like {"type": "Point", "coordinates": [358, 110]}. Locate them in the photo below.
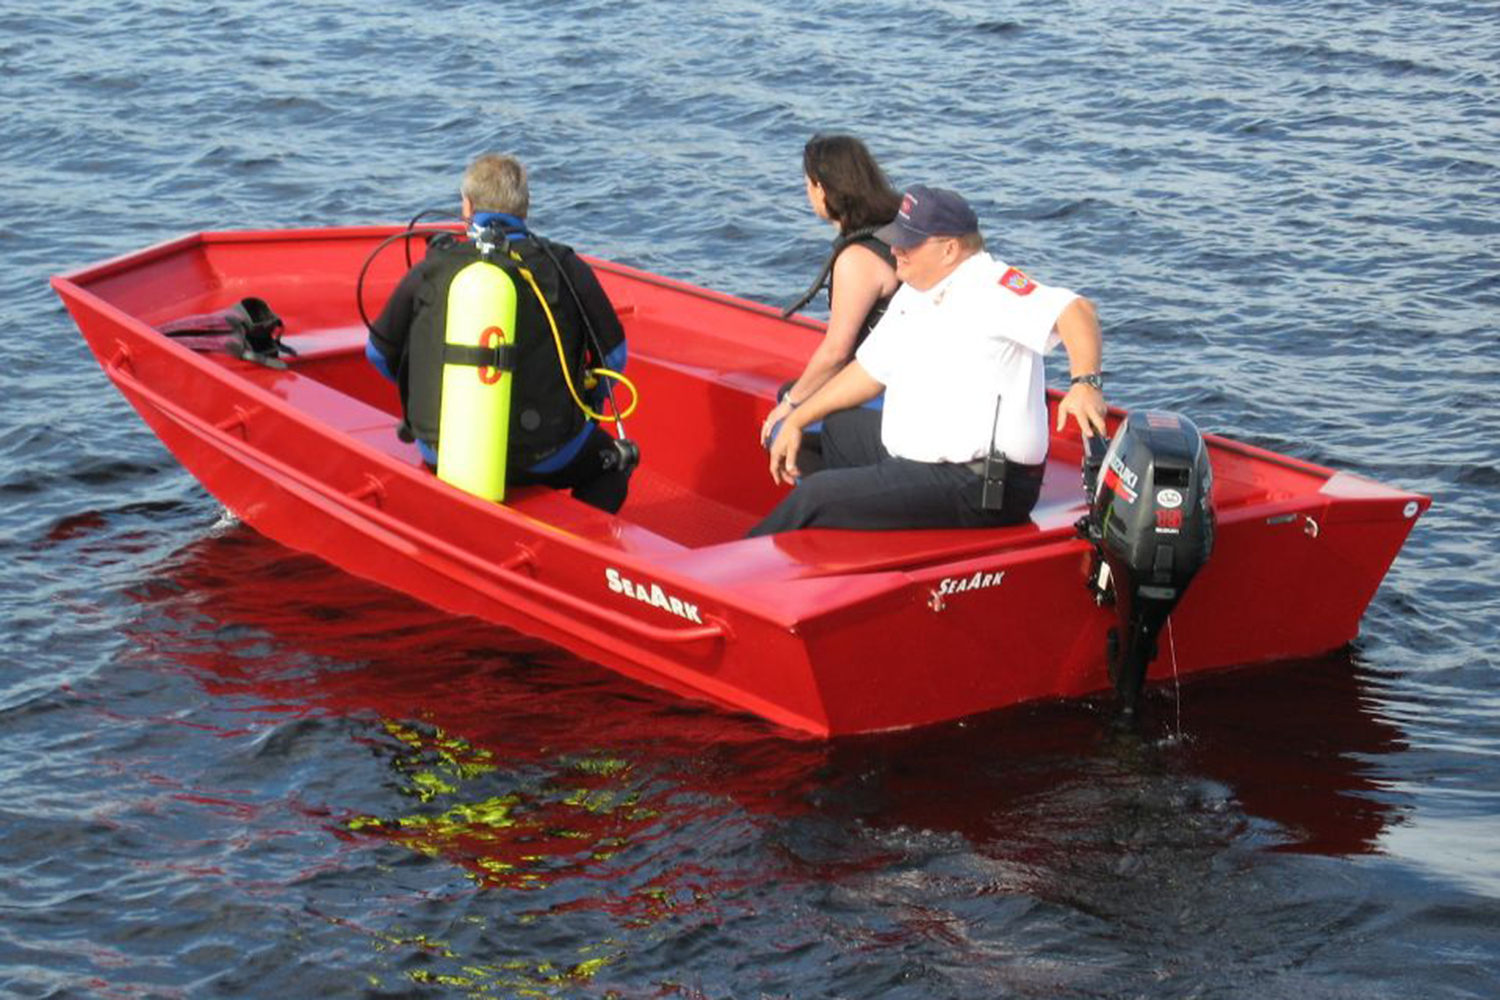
{"type": "Point", "coordinates": [927, 212]}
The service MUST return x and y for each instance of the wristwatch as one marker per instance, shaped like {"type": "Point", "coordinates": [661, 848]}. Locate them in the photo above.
{"type": "Point", "coordinates": [1095, 379]}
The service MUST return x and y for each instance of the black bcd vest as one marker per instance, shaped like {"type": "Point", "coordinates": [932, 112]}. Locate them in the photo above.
{"type": "Point", "coordinates": [543, 415]}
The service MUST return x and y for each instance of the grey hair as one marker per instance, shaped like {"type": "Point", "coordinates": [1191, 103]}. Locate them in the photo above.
{"type": "Point", "coordinates": [496, 182]}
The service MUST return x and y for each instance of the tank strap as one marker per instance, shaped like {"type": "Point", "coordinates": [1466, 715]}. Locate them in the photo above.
{"type": "Point", "coordinates": [501, 357]}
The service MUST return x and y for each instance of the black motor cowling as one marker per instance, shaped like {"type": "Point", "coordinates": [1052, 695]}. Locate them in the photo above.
{"type": "Point", "coordinates": [1152, 526]}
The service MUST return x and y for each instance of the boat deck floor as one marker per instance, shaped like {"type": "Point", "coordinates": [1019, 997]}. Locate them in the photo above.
{"type": "Point", "coordinates": [673, 511]}
{"type": "Point", "coordinates": [660, 515]}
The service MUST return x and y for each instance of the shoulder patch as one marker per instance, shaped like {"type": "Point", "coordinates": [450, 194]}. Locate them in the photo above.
{"type": "Point", "coordinates": [1016, 281]}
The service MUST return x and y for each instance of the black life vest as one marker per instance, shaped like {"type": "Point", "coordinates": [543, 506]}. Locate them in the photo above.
{"type": "Point", "coordinates": [543, 416]}
{"type": "Point", "coordinates": [861, 237]}
{"type": "Point", "coordinates": [877, 308]}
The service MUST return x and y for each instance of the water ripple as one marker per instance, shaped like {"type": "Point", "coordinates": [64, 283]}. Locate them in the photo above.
{"type": "Point", "coordinates": [232, 771]}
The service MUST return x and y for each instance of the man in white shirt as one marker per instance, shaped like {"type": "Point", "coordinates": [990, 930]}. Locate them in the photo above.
{"type": "Point", "coordinates": [964, 330]}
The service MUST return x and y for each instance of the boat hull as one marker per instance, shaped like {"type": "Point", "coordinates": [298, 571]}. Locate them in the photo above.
{"type": "Point", "coordinates": [822, 632]}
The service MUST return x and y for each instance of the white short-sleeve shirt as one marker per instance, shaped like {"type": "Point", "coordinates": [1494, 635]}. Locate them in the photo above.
{"type": "Point", "coordinates": [945, 354]}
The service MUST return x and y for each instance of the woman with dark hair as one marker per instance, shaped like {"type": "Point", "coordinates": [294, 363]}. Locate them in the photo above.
{"type": "Point", "coordinates": [846, 187]}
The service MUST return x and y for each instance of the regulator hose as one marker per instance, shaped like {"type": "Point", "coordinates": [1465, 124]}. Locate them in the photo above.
{"type": "Point", "coordinates": [608, 375]}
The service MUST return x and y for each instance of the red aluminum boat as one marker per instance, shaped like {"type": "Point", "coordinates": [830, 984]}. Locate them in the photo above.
{"type": "Point", "coordinates": [824, 632]}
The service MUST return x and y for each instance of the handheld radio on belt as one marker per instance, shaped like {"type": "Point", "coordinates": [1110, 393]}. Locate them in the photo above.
{"type": "Point", "coordinates": [993, 495]}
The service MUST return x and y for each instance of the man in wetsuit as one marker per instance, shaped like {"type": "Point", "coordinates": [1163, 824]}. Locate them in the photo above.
{"type": "Point", "coordinates": [551, 440]}
{"type": "Point", "coordinates": [963, 330]}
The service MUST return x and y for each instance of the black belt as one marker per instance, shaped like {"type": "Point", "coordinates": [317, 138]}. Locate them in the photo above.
{"type": "Point", "coordinates": [977, 467]}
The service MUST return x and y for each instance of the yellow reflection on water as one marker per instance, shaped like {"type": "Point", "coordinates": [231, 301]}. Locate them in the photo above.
{"type": "Point", "coordinates": [515, 978]}
{"type": "Point", "coordinates": [518, 831]}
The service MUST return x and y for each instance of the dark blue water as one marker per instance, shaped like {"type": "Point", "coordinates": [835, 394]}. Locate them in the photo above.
{"type": "Point", "coordinates": [227, 770]}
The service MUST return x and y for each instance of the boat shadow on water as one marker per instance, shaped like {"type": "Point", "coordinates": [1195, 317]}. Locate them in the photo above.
{"type": "Point", "coordinates": [524, 764]}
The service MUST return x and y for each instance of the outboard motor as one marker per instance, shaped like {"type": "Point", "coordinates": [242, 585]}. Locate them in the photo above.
{"type": "Point", "coordinates": [1152, 527]}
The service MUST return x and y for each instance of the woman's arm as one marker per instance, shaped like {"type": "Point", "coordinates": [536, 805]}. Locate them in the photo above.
{"type": "Point", "coordinates": [850, 387]}
{"type": "Point", "coordinates": [860, 279]}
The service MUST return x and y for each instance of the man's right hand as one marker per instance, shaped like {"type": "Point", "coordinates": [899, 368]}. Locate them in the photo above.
{"type": "Point", "coordinates": [784, 454]}
{"type": "Point", "coordinates": [1085, 404]}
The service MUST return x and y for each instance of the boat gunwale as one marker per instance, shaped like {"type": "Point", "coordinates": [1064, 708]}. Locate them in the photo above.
{"type": "Point", "coordinates": [77, 282]}
{"type": "Point", "coordinates": [118, 264]}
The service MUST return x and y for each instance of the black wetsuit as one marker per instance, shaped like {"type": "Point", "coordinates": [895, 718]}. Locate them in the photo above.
{"type": "Point", "coordinates": [550, 440]}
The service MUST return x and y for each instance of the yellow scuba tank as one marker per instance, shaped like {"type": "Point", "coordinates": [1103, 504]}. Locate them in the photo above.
{"type": "Point", "coordinates": [478, 358]}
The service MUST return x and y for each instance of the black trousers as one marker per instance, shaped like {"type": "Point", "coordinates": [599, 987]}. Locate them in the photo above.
{"type": "Point", "coordinates": [594, 475]}
{"type": "Point", "coordinates": [860, 485]}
